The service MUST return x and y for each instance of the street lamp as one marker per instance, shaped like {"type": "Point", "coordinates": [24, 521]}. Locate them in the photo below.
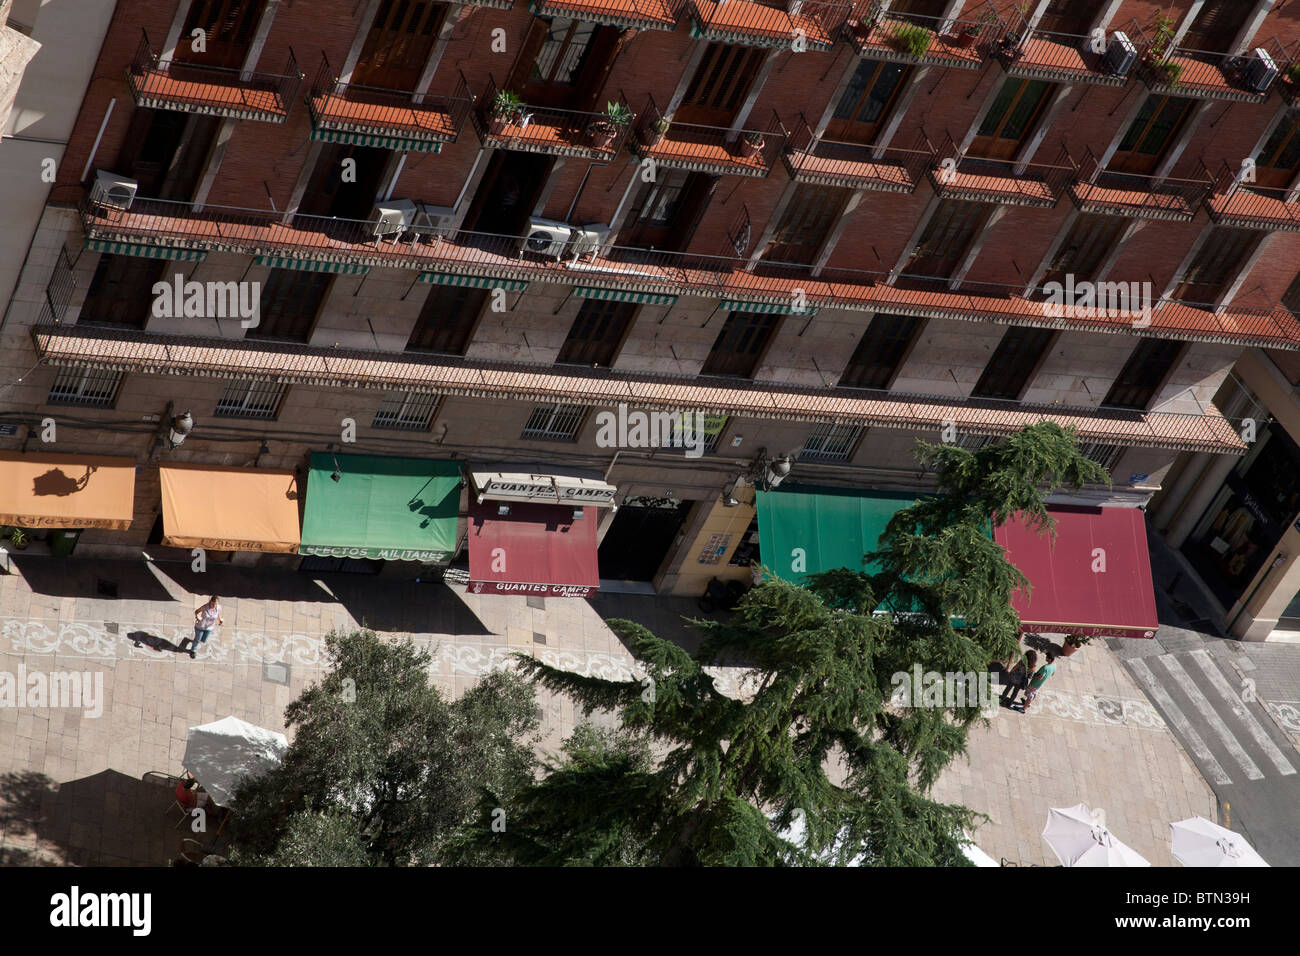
{"type": "Point", "coordinates": [180, 429]}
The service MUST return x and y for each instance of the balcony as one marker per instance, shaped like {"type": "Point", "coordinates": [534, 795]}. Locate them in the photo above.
{"type": "Point", "coordinates": [825, 162]}
{"type": "Point", "coordinates": [1233, 202]}
{"type": "Point", "coordinates": [514, 125]}
{"type": "Point", "coordinates": [757, 24]}
{"type": "Point", "coordinates": [629, 14]}
{"type": "Point", "coordinates": [1054, 57]}
{"type": "Point", "coordinates": [707, 149]}
{"type": "Point", "coordinates": [152, 354]}
{"type": "Point", "coordinates": [1005, 182]}
{"type": "Point", "coordinates": [924, 41]}
{"type": "Point", "coordinates": [211, 90]}
{"type": "Point", "coordinates": [390, 119]}
{"type": "Point", "coordinates": [1177, 71]}
{"type": "Point", "coordinates": [1141, 197]}
{"type": "Point", "coordinates": [330, 244]}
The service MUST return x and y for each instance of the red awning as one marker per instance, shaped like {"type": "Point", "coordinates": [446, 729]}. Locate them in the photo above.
{"type": "Point", "coordinates": [1096, 579]}
{"type": "Point", "coordinates": [536, 549]}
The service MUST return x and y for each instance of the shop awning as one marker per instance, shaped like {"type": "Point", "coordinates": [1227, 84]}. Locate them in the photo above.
{"type": "Point", "coordinates": [535, 549]}
{"type": "Point", "coordinates": [145, 251]}
{"type": "Point", "coordinates": [380, 142]}
{"type": "Point", "coordinates": [394, 509]}
{"type": "Point", "coordinates": [624, 295]}
{"type": "Point", "coordinates": [229, 509]}
{"type": "Point", "coordinates": [1095, 579]}
{"type": "Point", "coordinates": [772, 308]}
{"type": "Point", "coordinates": [66, 491]}
{"type": "Point", "coordinates": [310, 265]}
{"type": "Point", "coordinates": [474, 282]}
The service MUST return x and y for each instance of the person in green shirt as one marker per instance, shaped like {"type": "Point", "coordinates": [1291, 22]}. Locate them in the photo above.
{"type": "Point", "coordinates": [1039, 679]}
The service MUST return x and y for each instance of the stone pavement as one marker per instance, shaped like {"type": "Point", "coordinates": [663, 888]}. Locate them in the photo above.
{"type": "Point", "coordinates": [71, 787]}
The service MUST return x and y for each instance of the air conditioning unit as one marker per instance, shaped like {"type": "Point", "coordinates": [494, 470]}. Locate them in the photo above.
{"type": "Point", "coordinates": [547, 238]}
{"type": "Point", "coordinates": [113, 190]}
{"type": "Point", "coordinates": [1260, 71]}
{"type": "Point", "coordinates": [589, 240]}
{"type": "Point", "coordinates": [1120, 55]}
{"type": "Point", "coordinates": [434, 217]}
{"type": "Point", "coordinates": [393, 217]}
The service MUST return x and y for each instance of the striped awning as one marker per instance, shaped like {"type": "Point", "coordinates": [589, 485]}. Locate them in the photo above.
{"type": "Point", "coordinates": [775, 308]}
{"type": "Point", "coordinates": [474, 282]}
{"type": "Point", "coordinates": [623, 295]}
{"type": "Point", "coordinates": [309, 265]}
{"type": "Point", "coordinates": [380, 142]}
{"type": "Point", "coordinates": [146, 252]}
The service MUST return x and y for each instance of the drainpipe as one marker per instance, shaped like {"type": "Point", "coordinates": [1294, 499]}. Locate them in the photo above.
{"type": "Point", "coordinates": [568, 218]}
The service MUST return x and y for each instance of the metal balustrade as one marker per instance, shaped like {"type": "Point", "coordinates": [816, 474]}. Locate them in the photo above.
{"type": "Point", "coordinates": [1133, 194]}
{"type": "Point", "coordinates": [827, 162]}
{"type": "Point", "coordinates": [963, 43]}
{"type": "Point", "coordinates": [710, 149]}
{"type": "Point", "coordinates": [524, 127]}
{"type": "Point", "coordinates": [1058, 57]}
{"type": "Point", "coordinates": [1178, 70]}
{"type": "Point", "coordinates": [1236, 201]}
{"type": "Point", "coordinates": [1004, 181]}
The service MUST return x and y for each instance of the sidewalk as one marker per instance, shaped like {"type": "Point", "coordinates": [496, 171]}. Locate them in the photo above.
{"type": "Point", "coordinates": [70, 789]}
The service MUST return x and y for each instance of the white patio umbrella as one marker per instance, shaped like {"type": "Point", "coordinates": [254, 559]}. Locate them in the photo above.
{"type": "Point", "coordinates": [1078, 839]}
{"type": "Point", "coordinates": [221, 753]}
{"type": "Point", "coordinates": [1201, 842]}
{"type": "Point", "coordinates": [974, 853]}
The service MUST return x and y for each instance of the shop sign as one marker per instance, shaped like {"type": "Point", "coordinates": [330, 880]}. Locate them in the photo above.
{"type": "Point", "coordinates": [63, 521]}
{"type": "Point", "coordinates": [542, 590]}
{"type": "Point", "coordinates": [544, 488]}
{"type": "Point", "coordinates": [376, 554]}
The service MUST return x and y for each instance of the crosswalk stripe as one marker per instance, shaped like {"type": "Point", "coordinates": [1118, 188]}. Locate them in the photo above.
{"type": "Point", "coordinates": [1197, 697]}
{"type": "Point", "coordinates": [1257, 731]}
{"type": "Point", "coordinates": [1176, 717]}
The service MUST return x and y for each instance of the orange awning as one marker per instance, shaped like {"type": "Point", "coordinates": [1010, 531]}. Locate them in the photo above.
{"type": "Point", "coordinates": [66, 491]}
{"type": "Point", "coordinates": [229, 509]}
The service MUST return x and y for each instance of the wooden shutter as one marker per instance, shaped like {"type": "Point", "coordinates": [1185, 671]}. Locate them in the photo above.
{"type": "Point", "coordinates": [1013, 363]}
{"type": "Point", "coordinates": [741, 344]}
{"type": "Point", "coordinates": [1216, 25]}
{"type": "Point", "coordinates": [597, 332]}
{"type": "Point", "coordinates": [447, 319]}
{"type": "Point", "coordinates": [228, 26]}
{"type": "Point", "coordinates": [399, 43]}
{"type": "Point", "coordinates": [1068, 16]}
{"type": "Point", "coordinates": [807, 221]}
{"type": "Point", "coordinates": [1144, 372]}
{"type": "Point", "coordinates": [881, 351]}
{"type": "Point", "coordinates": [290, 301]}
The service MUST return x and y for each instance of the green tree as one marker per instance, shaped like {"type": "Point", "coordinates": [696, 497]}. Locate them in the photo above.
{"type": "Point", "coordinates": [813, 733]}
{"type": "Point", "coordinates": [382, 762]}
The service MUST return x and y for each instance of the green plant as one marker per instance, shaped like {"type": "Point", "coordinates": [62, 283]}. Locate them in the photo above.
{"type": "Point", "coordinates": [506, 104]}
{"type": "Point", "coordinates": [1164, 36]}
{"type": "Point", "coordinates": [913, 39]}
{"type": "Point", "coordinates": [618, 114]}
{"type": "Point", "coordinates": [1293, 73]}
{"type": "Point", "coordinates": [19, 537]}
{"type": "Point", "coordinates": [986, 19]}
{"type": "Point", "coordinates": [661, 125]}
{"type": "Point", "coordinates": [1169, 71]}
{"type": "Point", "coordinates": [1079, 640]}
{"type": "Point", "coordinates": [754, 138]}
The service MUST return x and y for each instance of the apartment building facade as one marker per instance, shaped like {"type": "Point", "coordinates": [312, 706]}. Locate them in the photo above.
{"type": "Point", "coordinates": [476, 230]}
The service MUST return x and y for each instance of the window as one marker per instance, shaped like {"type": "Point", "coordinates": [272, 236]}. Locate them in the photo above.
{"type": "Point", "coordinates": [1276, 164]}
{"type": "Point", "coordinates": [661, 198]}
{"type": "Point", "coordinates": [407, 411]}
{"type": "Point", "coordinates": [1085, 248]}
{"type": "Point", "coordinates": [554, 422]}
{"type": "Point", "coordinates": [974, 443]}
{"type": "Point", "coordinates": [228, 27]}
{"type": "Point", "coordinates": [1104, 455]}
{"type": "Point", "coordinates": [290, 301]}
{"type": "Point", "coordinates": [684, 424]}
{"type": "Point", "coordinates": [245, 398]}
{"type": "Point", "coordinates": [829, 442]}
{"type": "Point", "coordinates": [1014, 113]}
{"type": "Point", "coordinates": [121, 291]}
{"type": "Point", "coordinates": [1216, 24]}
{"type": "Point", "coordinates": [806, 223]}
{"type": "Point", "coordinates": [1068, 16]}
{"type": "Point", "coordinates": [597, 332]}
{"type": "Point", "coordinates": [720, 84]}
{"type": "Point", "coordinates": [866, 101]}
{"type": "Point", "coordinates": [1150, 135]}
{"type": "Point", "coordinates": [399, 43]}
{"type": "Point", "coordinates": [563, 51]}
{"type": "Point", "coordinates": [1143, 373]}
{"type": "Point", "coordinates": [447, 319]}
{"type": "Point", "coordinates": [1216, 264]}
{"type": "Point", "coordinates": [881, 351]}
{"type": "Point", "coordinates": [946, 239]}
{"type": "Point", "coordinates": [94, 388]}
{"type": "Point", "coordinates": [741, 344]}
{"type": "Point", "coordinates": [667, 211]}
{"type": "Point", "coordinates": [923, 8]}
{"type": "Point", "coordinates": [1013, 363]}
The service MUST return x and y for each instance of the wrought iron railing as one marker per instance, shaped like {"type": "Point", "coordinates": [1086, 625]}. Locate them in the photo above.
{"type": "Point", "coordinates": [959, 176]}
{"type": "Point", "coordinates": [1136, 194]}
{"type": "Point", "coordinates": [637, 14]}
{"type": "Point", "coordinates": [749, 151]}
{"type": "Point", "coordinates": [540, 129]}
{"type": "Point", "coordinates": [913, 38]}
{"type": "Point", "coordinates": [1236, 201]}
{"type": "Point", "coordinates": [219, 90]}
{"type": "Point", "coordinates": [1167, 67]}
{"type": "Point", "coordinates": [815, 22]}
{"type": "Point", "coordinates": [811, 158]}
{"type": "Point", "coordinates": [353, 107]}
{"type": "Point", "coordinates": [1028, 51]}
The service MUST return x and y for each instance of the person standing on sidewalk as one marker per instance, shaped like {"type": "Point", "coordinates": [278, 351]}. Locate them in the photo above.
{"type": "Point", "coordinates": [1018, 679]}
{"type": "Point", "coordinates": [1038, 680]}
{"type": "Point", "coordinates": [206, 618]}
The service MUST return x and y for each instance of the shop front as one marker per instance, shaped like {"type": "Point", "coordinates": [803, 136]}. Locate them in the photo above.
{"type": "Point", "coordinates": [229, 509]}
{"type": "Point", "coordinates": [363, 510]}
{"type": "Point", "coordinates": [47, 501]}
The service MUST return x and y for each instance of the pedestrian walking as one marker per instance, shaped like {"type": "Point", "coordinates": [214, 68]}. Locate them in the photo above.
{"type": "Point", "coordinates": [206, 618]}
{"type": "Point", "coordinates": [1018, 678]}
{"type": "Point", "coordinates": [1038, 680]}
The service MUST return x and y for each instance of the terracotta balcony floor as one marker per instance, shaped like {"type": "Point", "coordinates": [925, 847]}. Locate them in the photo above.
{"type": "Point", "coordinates": [354, 114]}
{"type": "Point", "coordinates": [1046, 58]}
{"type": "Point", "coordinates": [164, 91]}
{"type": "Point", "coordinates": [1141, 203]}
{"type": "Point", "coordinates": [705, 152]}
{"type": "Point", "coordinates": [1201, 77]}
{"type": "Point", "coordinates": [943, 50]}
{"type": "Point", "coordinates": [1252, 210]}
{"type": "Point", "coordinates": [991, 187]}
{"type": "Point", "coordinates": [834, 164]}
{"type": "Point", "coordinates": [544, 136]}
{"type": "Point", "coordinates": [651, 14]}
{"type": "Point", "coordinates": [740, 20]}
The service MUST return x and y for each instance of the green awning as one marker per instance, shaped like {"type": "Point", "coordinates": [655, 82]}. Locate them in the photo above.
{"type": "Point", "coordinates": [146, 252]}
{"type": "Point", "coordinates": [308, 265]}
{"type": "Point", "coordinates": [394, 509]}
{"type": "Point", "coordinates": [474, 282]}
{"type": "Point", "coordinates": [623, 295]}
{"type": "Point", "coordinates": [381, 142]}
{"type": "Point", "coordinates": [774, 308]}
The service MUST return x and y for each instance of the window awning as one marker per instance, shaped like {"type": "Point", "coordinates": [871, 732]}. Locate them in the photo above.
{"type": "Point", "coordinates": [66, 491]}
{"type": "Point", "coordinates": [309, 265]}
{"type": "Point", "coordinates": [535, 549]}
{"type": "Point", "coordinates": [1095, 579]}
{"type": "Point", "coordinates": [774, 308]}
{"type": "Point", "coordinates": [624, 295]}
{"type": "Point", "coordinates": [394, 509]}
{"type": "Point", "coordinates": [229, 509]}
{"type": "Point", "coordinates": [474, 282]}
{"type": "Point", "coordinates": [325, 135]}
{"type": "Point", "coordinates": [144, 251]}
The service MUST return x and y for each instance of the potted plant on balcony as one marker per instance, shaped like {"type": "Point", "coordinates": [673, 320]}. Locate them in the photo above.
{"type": "Point", "coordinates": [506, 107]}
{"type": "Point", "coordinates": [658, 130]}
{"type": "Point", "coordinates": [603, 130]}
{"type": "Point", "coordinates": [752, 144]}
{"type": "Point", "coordinates": [913, 40]}
{"type": "Point", "coordinates": [1292, 75]}
{"type": "Point", "coordinates": [973, 31]}
{"type": "Point", "coordinates": [18, 538]}
{"type": "Point", "coordinates": [1073, 642]}
{"type": "Point", "coordinates": [1167, 72]}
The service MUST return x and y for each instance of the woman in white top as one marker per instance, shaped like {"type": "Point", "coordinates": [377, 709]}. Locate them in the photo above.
{"type": "Point", "coordinates": [207, 617]}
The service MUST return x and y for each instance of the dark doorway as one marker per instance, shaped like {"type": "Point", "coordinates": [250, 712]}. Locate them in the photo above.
{"type": "Point", "coordinates": [328, 194]}
{"type": "Point", "coordinates": [228, 27]}
{"type": "Point", "coordinates": [165, 152]}
{"type": "Point", "coordinates": [666, 212]}
{"type": "Point", "coordinates": [720, 84]}
{"type": "Point", "coordinates": [398, 45]}
{"type": "Point", "coordinates": [639, 538]}
{"type": "Point", "coordinates": [562, 63]}
{"type": "Point", "coordinates": [505, 197]}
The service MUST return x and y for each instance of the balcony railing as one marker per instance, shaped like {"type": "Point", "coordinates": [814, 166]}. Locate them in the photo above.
{"type": "Point", "coordinates": [525, 128]}
{"type": "Point", "coordinates": [815, 23]}
{"type": "Point", "coordinates": [1131, 194]}
{"type": "Point", "coordinates": [826, 162]}
{"type": "Point", "coordinates": [1235, 202]}
{"type": "Point", "coordinates": [211, 90]}
{"type": "Point", "coordinates": [631, 14]}
{"type": "Point", "coordinates": [1004, 181]}
{"type": "Point", "coordinates": [1179, 71]}
{"type": "Point", "coordinates": [349, 112]}
{"type": "Point", "coordinates": [161, 354]}
{"type": "Point", "coordinates": [1057, 57]}
{"type": "Point", "coordinates": [330, 241]}
{"type": "Point", "coordinates": [909, 38]}
{"type": "Point", "coordinates": [707, 149]}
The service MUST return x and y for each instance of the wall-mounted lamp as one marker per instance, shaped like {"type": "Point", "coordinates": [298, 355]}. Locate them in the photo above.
{"type": "Point", "coordinates": [577, 514]}
{"type": "Point", "coordinates": [180, 429]}
{"type": "Point", "coordinates": [503, 510]}
{"type": "Point", "coordinates": [338, 472]}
